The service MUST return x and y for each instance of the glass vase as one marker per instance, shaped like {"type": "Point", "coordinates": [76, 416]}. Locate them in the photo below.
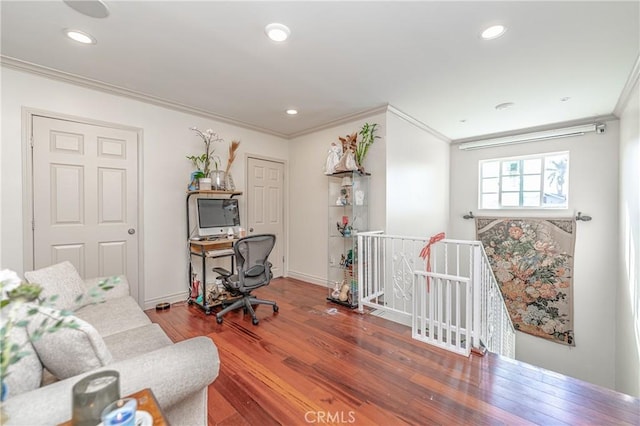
{"type": "Point", "coordinates": [229, 185]}
{"type": "Point", "coordinates": [218, 180]}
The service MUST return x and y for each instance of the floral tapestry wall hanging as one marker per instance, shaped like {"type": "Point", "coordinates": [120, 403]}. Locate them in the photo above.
{"type": "Point", "coordinates": [532, 260]}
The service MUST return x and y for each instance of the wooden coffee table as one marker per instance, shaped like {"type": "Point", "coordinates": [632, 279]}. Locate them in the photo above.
{"type": "Point", "coordinates": [146, 402]}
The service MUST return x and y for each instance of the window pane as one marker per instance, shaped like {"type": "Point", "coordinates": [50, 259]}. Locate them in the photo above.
{"type": "Point", "coordinates": [531, 183]}
{"type": "Point", "coordinates": [510, 199]}
{"type": "Point", "coordinates": [556, 176]}
{"type": "Point", "coordinates": [490, 169]}
{"type": "Point", "coordinates": [490, 185]}
{"type": "Point", "coordinates": [490, 201]}
{"type": "Point", "coordinates": [511, 183]}
{"type": "Point", "coordinates": [554, 200]}
{"type": "Point", "coordinates": [510, 167]}
{"type": "Point", "coordinates": [532, 166]}
{"type": "Point", "coordinates": [531, 199]}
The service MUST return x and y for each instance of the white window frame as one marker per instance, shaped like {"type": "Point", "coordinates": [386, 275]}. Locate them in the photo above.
{"type": "Point", "coordinates": [521, 174]}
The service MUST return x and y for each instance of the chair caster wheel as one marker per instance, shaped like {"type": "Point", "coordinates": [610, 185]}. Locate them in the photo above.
{"type": "Point", "coordinates": [219, 320]}
{"type": "Point", "coordinates": [275, 308]}
{"type": "Point", "coordinates": [255, 321]}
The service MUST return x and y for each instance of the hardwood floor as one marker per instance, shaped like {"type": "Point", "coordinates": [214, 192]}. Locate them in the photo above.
{"type": "Point", "coordinates": [309, 365]}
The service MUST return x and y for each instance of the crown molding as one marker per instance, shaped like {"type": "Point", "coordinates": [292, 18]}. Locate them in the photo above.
{"type": "Point", "coordinates": [403, 115]}
{"type": "Point", "coordinates": [342, 120]}
{"type": "Point", "coordinates": [373, 111]}
{"type": "Point", "coordinates": [77, 80]}
{"type": "Point", "coordinates": [627, 90]}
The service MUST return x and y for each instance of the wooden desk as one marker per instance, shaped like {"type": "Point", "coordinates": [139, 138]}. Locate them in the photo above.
{"type": "Point", "coordinates": [200, 246]}
{"type": "Point", "coordinates": [206, 249]}
{"type": "Point", "coordinates": [146, 402]}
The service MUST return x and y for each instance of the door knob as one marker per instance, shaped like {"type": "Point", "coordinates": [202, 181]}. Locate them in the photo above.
{"type": "Point", "coordinates": [250, 229]}
{"type": "Point", "coordinates": [131, 231]}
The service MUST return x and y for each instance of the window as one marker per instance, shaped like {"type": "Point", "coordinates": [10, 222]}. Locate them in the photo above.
{"type": "Point", "coordinates": [534, 181]}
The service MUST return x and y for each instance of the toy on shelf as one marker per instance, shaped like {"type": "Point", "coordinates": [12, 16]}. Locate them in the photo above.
{"type": "Point", "coordinates": [345, 198]}
{"type": "Point", "coordinates": [347, 262]}
{"type": "Point", "coordinates": [348, 160]}
{"type": "Point", "coordinates": [336, 290]}
{"type": "Point", "coordinates": [333, 158]}
{"type": "Point", "coordinates": [344, 228]}
{"type": "Point", "coordinates": [345, 289]}
{"type": "Point", "coordinates": [195, 285]}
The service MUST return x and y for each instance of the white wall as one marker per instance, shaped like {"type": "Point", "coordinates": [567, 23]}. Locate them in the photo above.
{"type": "Point", "coordinates": [308, 220]}
{"type": "Point", "coordinates": [1, 174]}
{"type": "Point", "coordinates": [628, 289]}
{"type": "Point", "coordinates": [409, 188]}
{"type": "Point", "coordinates": [417, 168]}
{"type": "Point", "coordinates": [593, 189]}
{"type": "Point", "coordinates": [167, 140]}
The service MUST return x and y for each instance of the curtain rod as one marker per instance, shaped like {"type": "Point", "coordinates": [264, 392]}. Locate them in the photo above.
{"type": "Point", "coordinates": [579, 216]}
{"type": "Point", "coordinates": [535, 136]}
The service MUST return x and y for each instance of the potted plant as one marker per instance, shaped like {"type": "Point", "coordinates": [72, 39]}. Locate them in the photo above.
{"type": "Point", "coordinates": [198, 179]}
{"type": "Point", "coordinates": [203, 162]}
{"type": "Point", "coordinates": [368, 137]}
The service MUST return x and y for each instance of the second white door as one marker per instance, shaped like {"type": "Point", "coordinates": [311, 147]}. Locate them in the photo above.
{"type": "Point", "coordinates": [265, 205]}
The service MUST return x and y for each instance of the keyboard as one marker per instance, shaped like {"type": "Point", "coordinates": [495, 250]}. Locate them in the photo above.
{"type": "Point", "coordinates": [220, 252]}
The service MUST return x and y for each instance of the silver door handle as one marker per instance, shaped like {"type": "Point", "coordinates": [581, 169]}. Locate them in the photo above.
{"type": "Point", "coordinates": [131, 231]}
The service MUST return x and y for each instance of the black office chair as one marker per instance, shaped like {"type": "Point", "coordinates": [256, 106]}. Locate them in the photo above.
{"type": "Point", "coordinates": [253, 270]}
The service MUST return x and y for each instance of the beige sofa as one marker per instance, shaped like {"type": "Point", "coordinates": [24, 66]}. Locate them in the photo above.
{"type": "Point", "coordinates": [113, 335]}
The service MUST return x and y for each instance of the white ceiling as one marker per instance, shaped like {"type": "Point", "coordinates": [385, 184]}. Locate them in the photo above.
{"type": "Point", "coordinates": [426, 59]}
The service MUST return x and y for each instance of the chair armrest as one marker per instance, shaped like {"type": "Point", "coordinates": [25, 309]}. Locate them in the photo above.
{"type": "Point", "coordinates": [173, 373]}
{"type": "Point", "coordinates": [222, 272]}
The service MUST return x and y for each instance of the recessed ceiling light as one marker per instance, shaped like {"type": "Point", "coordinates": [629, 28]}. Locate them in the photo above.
{"type": "Point", "coordinates": [277, 32]}
{"type": "Point", "coordinates": [504, 105]}
{"type": "Point", "coordinates": [292, 111]}
{"type": "Point", "coordinates": [494, 31]}
{"type": "Point", "coordinates": [80, 36]}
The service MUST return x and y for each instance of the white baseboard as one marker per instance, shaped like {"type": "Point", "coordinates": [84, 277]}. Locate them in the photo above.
{"type": "Point", "coordinates": [307, 278]}
{"type": "Point", "coordinates": [173, 298]}
{"type": "Point", "coordinates": [182, 296]}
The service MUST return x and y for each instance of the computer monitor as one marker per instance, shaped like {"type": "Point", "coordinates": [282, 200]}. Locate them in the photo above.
{"type": "Point", "coordinates": [215, 216]}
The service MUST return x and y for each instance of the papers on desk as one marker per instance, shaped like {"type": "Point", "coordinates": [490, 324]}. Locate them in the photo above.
{"type": "Point", "coordinates": [220, 252]}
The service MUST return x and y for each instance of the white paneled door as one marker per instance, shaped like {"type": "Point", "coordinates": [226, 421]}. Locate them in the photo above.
{"type": "Point", "coordinates": [265, 205]}
{"type": "Point", "coordinates": [85, 198]}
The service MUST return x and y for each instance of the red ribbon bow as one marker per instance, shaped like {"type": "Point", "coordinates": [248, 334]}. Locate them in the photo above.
{"type": "Point", "coordinates": [425, 253]}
